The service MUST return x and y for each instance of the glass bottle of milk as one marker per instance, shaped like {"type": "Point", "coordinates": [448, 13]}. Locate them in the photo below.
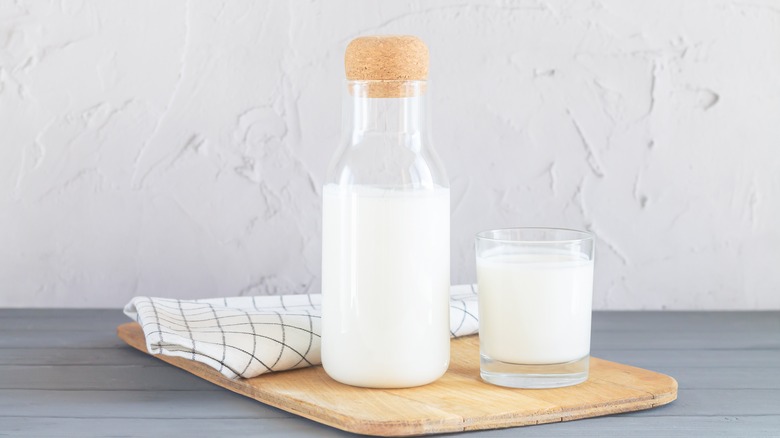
{"type": "Point", "coordinates": [386, 226]}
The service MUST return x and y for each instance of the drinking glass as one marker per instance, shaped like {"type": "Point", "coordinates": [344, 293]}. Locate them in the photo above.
{"type": "Point", "coordinates": [535, 299]}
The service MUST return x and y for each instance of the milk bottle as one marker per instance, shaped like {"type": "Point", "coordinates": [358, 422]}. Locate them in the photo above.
{"type": "Point", "coordinates": [386, 226]}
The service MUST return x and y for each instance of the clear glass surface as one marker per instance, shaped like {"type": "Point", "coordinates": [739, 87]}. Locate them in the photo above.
{"type": "Point", "coordinates": [385, 141]}
{"type": "Point", "coordinates": [535, 296]}
{"type": "Point", "coordinates": [385, 249]}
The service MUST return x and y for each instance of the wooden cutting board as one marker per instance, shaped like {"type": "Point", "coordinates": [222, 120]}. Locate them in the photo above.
{"type": "Point", "coordinates": [459, 401]}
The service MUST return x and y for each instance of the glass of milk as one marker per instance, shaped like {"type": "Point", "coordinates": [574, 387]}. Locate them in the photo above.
{"type": "Point", "coordinates": [535, 297]}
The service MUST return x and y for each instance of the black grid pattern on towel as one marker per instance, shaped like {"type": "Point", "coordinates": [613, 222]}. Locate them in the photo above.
{"type": "Point", "coordinates": [249, 336]}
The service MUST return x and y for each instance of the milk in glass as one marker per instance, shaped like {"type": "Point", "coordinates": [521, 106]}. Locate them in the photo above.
{"type": "Point", "coordinates": [535, 307]}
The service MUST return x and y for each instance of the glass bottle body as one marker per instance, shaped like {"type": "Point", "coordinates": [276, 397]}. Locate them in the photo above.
{"type": "Point", "coordinates": [385, 277]}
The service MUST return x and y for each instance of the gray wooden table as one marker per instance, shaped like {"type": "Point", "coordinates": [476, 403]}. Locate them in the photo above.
{"type": "Point", "coordinates": [64, 373]}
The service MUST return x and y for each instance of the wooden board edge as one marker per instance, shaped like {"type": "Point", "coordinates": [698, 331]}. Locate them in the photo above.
{"type": "Point", "coordinates": [663, 395]}
{"type": "Point", "coordinates": [649, 402]}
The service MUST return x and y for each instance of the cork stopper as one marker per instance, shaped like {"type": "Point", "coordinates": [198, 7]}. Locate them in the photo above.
{"type": "Point", "coordinates": [387, 61]}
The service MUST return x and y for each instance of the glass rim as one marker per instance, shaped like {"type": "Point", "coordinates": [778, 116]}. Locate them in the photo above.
{"type": "Point", "coordinates": [584, 235]}
{"type": "Point", "coordinates": [387, 89]}
{"type": "Point", "coordinates": [374, 81]}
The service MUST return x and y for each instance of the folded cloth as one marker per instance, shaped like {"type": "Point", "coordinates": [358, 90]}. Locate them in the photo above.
{"type": "Point", "coordinates": [249, 336]}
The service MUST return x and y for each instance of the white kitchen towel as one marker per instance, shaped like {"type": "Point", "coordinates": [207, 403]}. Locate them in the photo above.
{"type": "Point", "coordinates": [249, 336]}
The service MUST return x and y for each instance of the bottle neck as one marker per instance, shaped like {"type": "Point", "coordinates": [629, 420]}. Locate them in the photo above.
{"type": "Point", "coordinates": [385, 139]}
{"type": "Point", "coordinates": [391, 108]}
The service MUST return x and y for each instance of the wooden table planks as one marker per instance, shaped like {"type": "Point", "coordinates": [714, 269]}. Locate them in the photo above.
{"type": "Point", "coordinates": [457, 402]}
{"type": "Point", "coordinates": [64, 373]}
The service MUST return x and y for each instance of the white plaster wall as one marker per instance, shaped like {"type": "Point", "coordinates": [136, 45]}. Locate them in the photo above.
{"type": "Point", "coordinates": [177, 148]}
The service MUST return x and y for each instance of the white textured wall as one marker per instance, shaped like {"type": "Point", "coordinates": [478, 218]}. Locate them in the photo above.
{"type": "Point", "coordinates": [177, 148]}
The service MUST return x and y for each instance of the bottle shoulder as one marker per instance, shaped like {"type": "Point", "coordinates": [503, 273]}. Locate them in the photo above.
{"type": "Point", "coordinates": [387, 161]}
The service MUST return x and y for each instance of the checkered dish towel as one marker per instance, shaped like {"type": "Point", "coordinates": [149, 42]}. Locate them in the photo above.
{"type": "Point", "coordinates": [249, 336]}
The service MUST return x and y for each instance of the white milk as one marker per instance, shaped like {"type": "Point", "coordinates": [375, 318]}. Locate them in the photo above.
{"type": "Point", "coordinates": [385, 285]}
{"type": "Point", "coordinates": [535, 308]}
